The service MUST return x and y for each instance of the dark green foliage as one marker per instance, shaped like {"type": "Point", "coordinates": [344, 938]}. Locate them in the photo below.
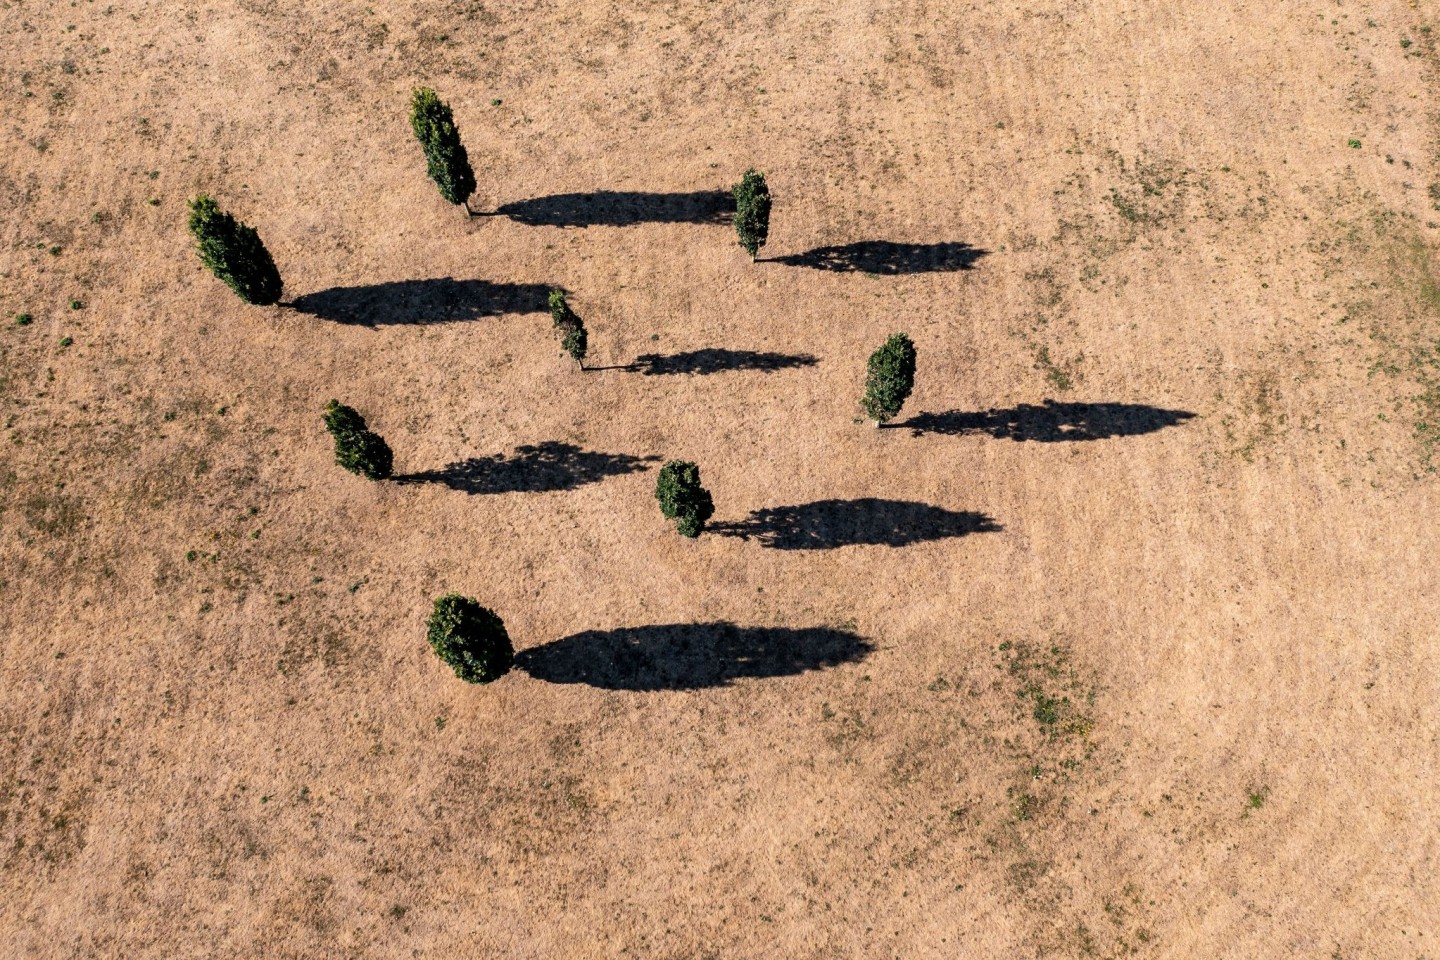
{"type": "Point", "coordinates": [470, 638]}
{"type": "Point", "coordinates": [752, 211]}
{"type": "Point", "coordinates": [889, 378]}
{"type": "Point", "coordinates": [445, 158]}
{"type": "Point", "coordinates": [357, 448]}
{"type": "Point", "coordinates": [569, 327]}
{"type": "Point", "coordinates": [682, 498]}
{"type": "Point", "coordinates": [233, 252]}
{"type": "Point", "coordinates": [576, 342]}
{"type": "Point", "coordinates": [560, 312]}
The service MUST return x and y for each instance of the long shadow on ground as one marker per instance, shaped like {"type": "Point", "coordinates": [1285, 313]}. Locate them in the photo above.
{"type": "Point", "coordinates": [718, 360]}
{"type": "Point", "coordinates": [622, 208]}
{"type": "Point", "coordinates": [887, 258]}
{"type": "Point", "coordinates": [438, 300]}
{"type": "Point", "coordinates": [827, 524]}
{"type": "Point", "coordinates": [1051, 422]}
{"type": "Point", "coordinates": [546, 467]}
{"type": "Point", "coordinates": [689, 656]}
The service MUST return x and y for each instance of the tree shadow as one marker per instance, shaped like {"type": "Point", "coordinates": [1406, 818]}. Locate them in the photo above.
{"type": "Point", "coordinates": [718, 360]}
{"type": "Point", "coordinates": [438, 300]}
{"type": "Point", "coordinates": [620, 208]}
{"type": "Point", "coordinates": [887, 258]}
{"type": "Point", "coordinates": [689, 656]}
{"type": "Point", "coordinates": [1050, 422]}
{"type": "Point", "coordinates": [550, 466]}
{"type": "Point", "coordinates": [827, 524]}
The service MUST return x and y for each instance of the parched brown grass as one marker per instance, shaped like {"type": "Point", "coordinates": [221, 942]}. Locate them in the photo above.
{"type": "Point", "coordinates": [1120, 643]}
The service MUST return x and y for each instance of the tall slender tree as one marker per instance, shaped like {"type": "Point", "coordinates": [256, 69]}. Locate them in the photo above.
{"type": "Point", "coordinates": [752, 212]}
{"type": "Point", "coordinates": [569, 327]}
{"type": "Point", "coordinates": [446, 161]}
{"type": "Point", "coordinates": [234, 253]}
{"type": "Point", "coordinates": [682, 498]}
{"type": "Point", "coordinates": [889, 378]}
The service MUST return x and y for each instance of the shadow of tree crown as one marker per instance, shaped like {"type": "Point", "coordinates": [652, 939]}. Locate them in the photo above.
{"type": "Point", "coordinates": [545, 467]}
{"type": "Point", "coordinates": [828, 524]}
{"type": "Point", "coordinates": [437, 300]}
{"type": "Point", "coordinates": [620, 208]}
{"type": "Point", "coordinates": [718, 360]}
{"type": "Point", "coordinates": [689, 656]}
{"type": "Point", "coordinates": [887, 258]}
{"type": "Point", "coordinates": [1050, 422]}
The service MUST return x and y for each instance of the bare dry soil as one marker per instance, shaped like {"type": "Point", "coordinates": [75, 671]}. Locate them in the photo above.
{"type": "Point", "coordinates": [1121, 642]}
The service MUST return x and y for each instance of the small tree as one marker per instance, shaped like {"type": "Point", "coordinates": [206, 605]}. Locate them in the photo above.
{"type": "Point", "coordinates": [682, 498]}
{"type": "Point", "coordinates": [234, 253]}
{"type": "Point", "coordinates": [445, 158]}
{"type": "Point", "coordinates": [576, 342]}
{"type": "Point", "coordinates": [470, 638]}
{"type": "Point", "coordinates": [889, 378]}
{"type": "Point", "coordinates": [752, 212]}
{"type": "Point", "coordinates": [357, 448]}
{"type": "Point", "coordinates": [569, 327]}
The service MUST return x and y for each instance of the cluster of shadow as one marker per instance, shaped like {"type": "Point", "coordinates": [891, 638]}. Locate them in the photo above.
{"type": "Point", "coordinates": [1050, 422]}
{"type": "Point", "coordinates": [548, 466]}
{"type": "Point", "coordinates": [887, 258]}
{"type": "Point", "coordinates": [689, 656]}
{"type": "Point", "coordinates": [827, 524]}
{"type": "Point", "coordinates": [714, 360]}
{"type": "Point", "coordinates": [620, 208]}
{"type": "Point", "coordinates": [437, 300]}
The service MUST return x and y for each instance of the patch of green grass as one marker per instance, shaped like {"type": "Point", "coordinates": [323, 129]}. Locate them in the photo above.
{"type": "Point", "coordinates": [1061, 376]}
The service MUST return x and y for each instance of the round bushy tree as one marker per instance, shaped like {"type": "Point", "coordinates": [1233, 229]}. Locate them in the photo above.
{"type": "Point", "coordinates": [682, 498]}
{"type": "Point", "coordinates": [470, 638]}
{"type": "Point", "coordinates": [234, 253]}
{"type": "Point", "coordinates": [569, 327]}
{"type": "Point", "coordinates": [752, 211]}
{"type": "Point", "coordinates": [357, 448]}
{"type": "Point", "coordinates": [889, 378]}
{"type": "Point", "coordinates": [445, 158]}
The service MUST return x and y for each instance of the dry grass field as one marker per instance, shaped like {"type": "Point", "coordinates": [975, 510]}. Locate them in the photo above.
{"type": "Point", "coordinates": [1120, 642]}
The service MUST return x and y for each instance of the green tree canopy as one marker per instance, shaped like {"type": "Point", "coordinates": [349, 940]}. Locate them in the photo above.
{"type": "Point", "coordinates": [357, 448]}
{"type": "Point", "coordinates": [470, 638]}
{"type": "Point", "coordinates": [234, 253]}
{"type": "Point", "coordinates": [752, 211]}
{"type": "Point", "coordinates": [889, 378]}
{"type": "Point", "coordinates": [445, 158]}
{"type": "Point", "coordinates": [574, 340]}
{"type": "Point", "coordinates": [682, 498]}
